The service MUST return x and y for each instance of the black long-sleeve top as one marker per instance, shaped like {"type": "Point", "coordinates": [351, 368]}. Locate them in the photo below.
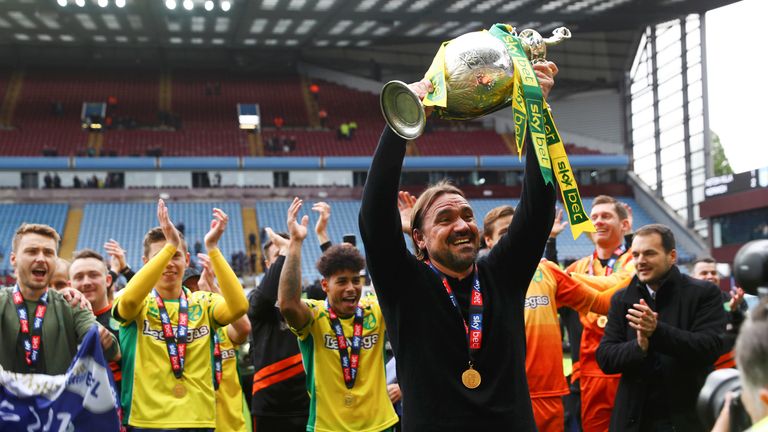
{"type": "Point", "coordinates": [275, 353]}
{"type": "Point", "coordinates": [427, 335]}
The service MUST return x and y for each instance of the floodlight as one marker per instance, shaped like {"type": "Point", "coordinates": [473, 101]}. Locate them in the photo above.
{"type": "Point", "coordinates": [80, 3]}
{"type": "Point", "coordinates": [188, 5]}
{"type": "Point", "coordinates": [120, 3]}
{"type": "Point", "coordinates": [209, 5]}
{"type": "Point", "coordinates": [103, 3]}
{"type": "Point", "coordinates": [62, 3]}
{"type": "Point", "coordinates": [225, 5]}
{"type": "Point", "coordinates": [170, 4]}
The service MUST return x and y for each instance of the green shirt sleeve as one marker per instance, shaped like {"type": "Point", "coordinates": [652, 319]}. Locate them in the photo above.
{"type": "Point", "coordinates": [84, 320]}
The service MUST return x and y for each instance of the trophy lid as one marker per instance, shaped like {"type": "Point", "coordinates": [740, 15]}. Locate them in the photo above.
{"type": "Point", "coordinates": [402, 110]}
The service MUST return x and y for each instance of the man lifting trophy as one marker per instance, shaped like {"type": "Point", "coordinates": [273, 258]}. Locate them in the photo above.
{"type": "Point", "coordinates": [479, 73]}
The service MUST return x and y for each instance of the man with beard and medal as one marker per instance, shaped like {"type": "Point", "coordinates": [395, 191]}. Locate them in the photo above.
{"type": "Point", "coordinates": [341, 338]}
{"type": "Point", "coordinates": [456, 322]}
{"type": "Point", "coordinates": [166, 332]}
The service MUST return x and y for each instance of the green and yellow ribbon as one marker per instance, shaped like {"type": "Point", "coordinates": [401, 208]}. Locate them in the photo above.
{"type": "Point", "coordinates": [531, 112]}
{"type": "Point", "coordinates": [436, 74]}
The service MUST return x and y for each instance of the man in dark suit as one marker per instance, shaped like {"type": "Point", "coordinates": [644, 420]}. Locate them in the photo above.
{"type": "Point", "coordinates": [663, 335]}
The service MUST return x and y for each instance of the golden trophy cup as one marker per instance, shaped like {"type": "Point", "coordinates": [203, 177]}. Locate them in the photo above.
{"type": "Point", "coordinates": [478, 77]}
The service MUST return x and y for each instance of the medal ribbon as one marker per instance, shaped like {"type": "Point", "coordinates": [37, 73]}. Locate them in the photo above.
{"type": "Point", "coordinates": [216, 360]}
{"type": "Point", "coordinates": [609, 266]}
{"type": "Point", "coordinates": [349, 362]}
{"type": "Point", "coordinates": [474, 329]}
{"type": "Point", "coordinates": [31, 347]}
{"type": "Point", "coordinates": [177, 345]}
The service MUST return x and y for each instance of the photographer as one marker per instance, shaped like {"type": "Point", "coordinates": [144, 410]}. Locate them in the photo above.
{"type": "Point", "coordinates": [752, 359]}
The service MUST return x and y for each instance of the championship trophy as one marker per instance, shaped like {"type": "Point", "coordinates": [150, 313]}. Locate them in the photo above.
{"type": "Point", "coordinates": [478, 73]}
{"type": "Point", "coordinates": [482, 72]}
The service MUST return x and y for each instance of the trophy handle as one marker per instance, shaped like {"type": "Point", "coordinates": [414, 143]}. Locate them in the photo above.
{"type": "Point", "coordinates": [403, 110]}
{"type": "Point", "coordinates": [536, 46]}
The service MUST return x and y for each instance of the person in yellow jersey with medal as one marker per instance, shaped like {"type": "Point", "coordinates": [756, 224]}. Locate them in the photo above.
{"type": "Point", "coordinates": [166, 332]}
{"type": "Point", "coordinates": [341, 338]}
{"type": "Point", "coordinates": [230, 403]}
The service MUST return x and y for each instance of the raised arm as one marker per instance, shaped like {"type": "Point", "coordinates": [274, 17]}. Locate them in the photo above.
{"type": "Point", "coordinates": [239, 329]}
{"type": "Point", "coordinates": [295, 312]}
{"type": "Point", "coordinates": [380, 226]}
{"type": "Point", "coordinates": [535, 213]}
{"type": "Point", "coordinates": [235, 305]}
{"type": "Point", "coordinates": [129, 304]}
{"type": "Point", "coordinates": [321, 227]}
{"type": "Point", "coordinates": [264, 299]}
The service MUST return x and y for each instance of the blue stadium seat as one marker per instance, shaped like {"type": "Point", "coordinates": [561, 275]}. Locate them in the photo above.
{"type": "Point", "coordinates": [128, 222]}
{"type": "Point", "coordinates": [344, 216]}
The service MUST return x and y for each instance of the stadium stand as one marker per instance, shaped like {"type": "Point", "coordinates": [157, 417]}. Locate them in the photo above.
{"type": "Point", "coordinates": [344, 220]}
{"type": "Point", "coordinates": [128, 222]}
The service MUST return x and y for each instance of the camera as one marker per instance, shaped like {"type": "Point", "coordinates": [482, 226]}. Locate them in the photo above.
{"type": "Point", "coordinates": [712, 398]}
{"type": "Point", "coordinates": [349, 238]}
{"type": "Point", "coordinates": [750, 268]}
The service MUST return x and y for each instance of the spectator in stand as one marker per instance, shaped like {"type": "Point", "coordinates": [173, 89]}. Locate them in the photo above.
{"type": "Point", "coordinates": [314, 90]}
{"type": "Point", "coordinates": [76, 182]}
{"type": "Point", "coordinates": [322, 114]}
{"type": "Point", "coordinates": [47, 181]}
{"type": "Point", "coordinates": [279, 122]}
{"type": "Point", "coordinates": [48, 344]}
{"type": "Point", "coordinates": [279, 397]}
{"type": "Point", "coordinates": [344, 131]}
{"type": "Point", "coordinates": [352, 129]}
{"type": "Point", "coordinates": [56, 181]}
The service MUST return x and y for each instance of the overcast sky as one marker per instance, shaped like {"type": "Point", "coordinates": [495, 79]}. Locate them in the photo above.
{"type": "Point", "coordinates": [737, 67]}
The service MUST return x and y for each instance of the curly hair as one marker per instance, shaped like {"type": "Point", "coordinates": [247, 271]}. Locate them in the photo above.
{"type": "Point", "coordinates": [339, 258]}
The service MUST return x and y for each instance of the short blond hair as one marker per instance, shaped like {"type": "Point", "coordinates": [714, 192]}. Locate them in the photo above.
{"type": "Point", "coordinates": [39, 229]}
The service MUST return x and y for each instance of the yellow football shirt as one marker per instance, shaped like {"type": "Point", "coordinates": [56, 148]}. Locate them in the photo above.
{"type": "Point", "coordinates": [148, 383]}
{"type": "Point", "coordinates": [229, 397]}
{"type": "Point", "coordinates": [334, 408]}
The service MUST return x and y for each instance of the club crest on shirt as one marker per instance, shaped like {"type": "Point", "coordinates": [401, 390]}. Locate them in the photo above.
{"type": "Point", "coordinates": [537, 277]}
{"type": "Point", "coordinates": [369, 322]}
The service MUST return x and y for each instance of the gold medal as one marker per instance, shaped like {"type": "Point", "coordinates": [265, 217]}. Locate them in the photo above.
{"type": "Point", "coordinates": [349, 400]}
{"type": "Point", "coordinates": [602, 320]}
{"type": "Point", "coordinates": [179, 391]}
{"type": "Point", "coordinates": [470, 378]}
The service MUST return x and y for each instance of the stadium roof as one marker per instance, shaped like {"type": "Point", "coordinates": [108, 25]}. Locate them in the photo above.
{"type": "Point", "coordinates": [401, 36]}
